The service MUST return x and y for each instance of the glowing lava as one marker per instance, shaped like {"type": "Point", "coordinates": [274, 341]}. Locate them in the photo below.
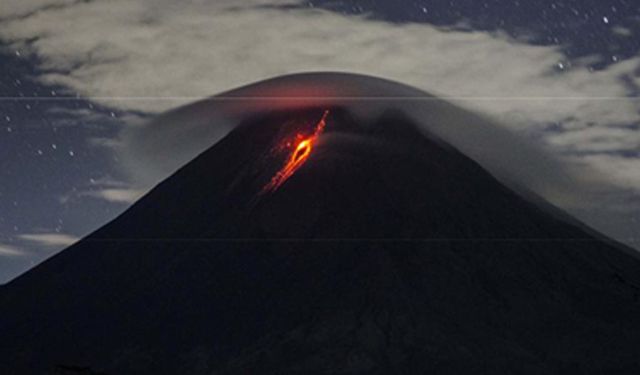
{"type": "Point", "coordinates": [303, 147]}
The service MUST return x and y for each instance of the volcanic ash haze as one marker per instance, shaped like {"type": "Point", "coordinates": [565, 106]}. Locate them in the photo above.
{"type": "Point", "coordinates": [386, 250]}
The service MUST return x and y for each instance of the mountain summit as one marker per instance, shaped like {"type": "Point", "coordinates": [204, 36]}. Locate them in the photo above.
{"type": "Point", "coordinates": [313, 241]}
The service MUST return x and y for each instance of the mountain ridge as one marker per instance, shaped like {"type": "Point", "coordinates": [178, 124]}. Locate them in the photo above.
{"type": "Point", "coordinates": [387, 252]}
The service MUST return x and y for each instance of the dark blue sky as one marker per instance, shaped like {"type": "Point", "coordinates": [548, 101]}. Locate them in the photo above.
{"type": "Point", "coordinates": [47, 159]}
{"type": "Point", "coordinates": [48, 137]}
{"type": "Point", "coordinates": [582, 27]}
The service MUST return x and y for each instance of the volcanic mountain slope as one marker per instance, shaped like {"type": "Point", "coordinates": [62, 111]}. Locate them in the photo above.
{"type": "Point", "coordinates": [385, 252]}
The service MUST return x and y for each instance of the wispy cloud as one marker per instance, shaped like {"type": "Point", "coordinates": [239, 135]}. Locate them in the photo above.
{"type": "Point", "coordinates": [10, 251]}
{"type": "Point", "coordinates": [17, 9]}
{"type": "Point", "coordinates": [105, 188]}
{"type": "Point", "coordinates": [117, 195]}
{"type": "Point", "coordinates": [50, 239]}
{"type": "Point", "coordinates": [127, 55]}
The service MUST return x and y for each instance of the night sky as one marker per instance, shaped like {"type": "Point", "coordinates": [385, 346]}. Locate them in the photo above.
{"type": "Point", "coordinates": [60, 136]}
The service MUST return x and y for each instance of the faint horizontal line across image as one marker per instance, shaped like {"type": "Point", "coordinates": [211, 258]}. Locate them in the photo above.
{"type": "Point", "coordinates": [351, 98]}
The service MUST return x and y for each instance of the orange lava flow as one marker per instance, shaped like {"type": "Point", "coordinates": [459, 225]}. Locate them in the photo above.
{"type": "Point", "coordinates": [300, 154]}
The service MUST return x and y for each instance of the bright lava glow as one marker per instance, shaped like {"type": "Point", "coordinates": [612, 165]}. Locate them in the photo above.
{"type": "Point", "coordinates": [303, 147]}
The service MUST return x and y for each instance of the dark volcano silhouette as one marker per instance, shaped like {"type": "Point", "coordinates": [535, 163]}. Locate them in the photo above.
{"type": "Point", "coordinates": [387, 252]}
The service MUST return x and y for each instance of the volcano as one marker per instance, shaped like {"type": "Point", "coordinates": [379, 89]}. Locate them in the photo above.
{"type": "Point", "coordinates": [379, 249]}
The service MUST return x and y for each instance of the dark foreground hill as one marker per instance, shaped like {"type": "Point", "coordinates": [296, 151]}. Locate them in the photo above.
{"type": "Point", "coordinates": [385, 252]}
